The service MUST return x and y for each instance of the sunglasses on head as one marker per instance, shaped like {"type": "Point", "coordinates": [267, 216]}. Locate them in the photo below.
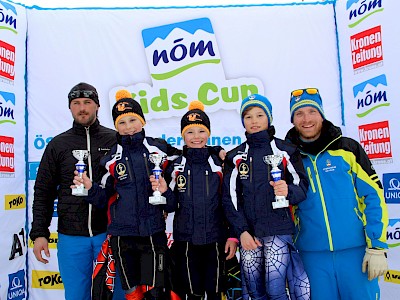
{"type": "Point", "coordinates": [82, 94]}
{"type": "Point", "coordinates": [310, 91]}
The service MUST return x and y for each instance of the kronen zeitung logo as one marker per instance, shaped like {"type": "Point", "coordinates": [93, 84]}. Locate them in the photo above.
{"type": "Point", "coordinates": [185, 65]}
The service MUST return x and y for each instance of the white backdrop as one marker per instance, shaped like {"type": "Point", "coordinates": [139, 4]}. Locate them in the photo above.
{"type": "Point", "coordinates": [275, 49]}
{"type": "Point", "coordinates": [369, 50]}
{"type": "Point", "coordinates": [271, 49]}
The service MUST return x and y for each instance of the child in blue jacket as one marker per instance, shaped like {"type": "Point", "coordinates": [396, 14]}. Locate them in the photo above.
{"type": "Point", "coordinates": [137, 228]}
{"type": "Point", "coordinates": [200, 234]}
{"type": "Point", "coordinates": [267, 255]}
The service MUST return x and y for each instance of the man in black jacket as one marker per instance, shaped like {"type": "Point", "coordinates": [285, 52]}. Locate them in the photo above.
{"type": "Point", "coordinates": [81, 226]}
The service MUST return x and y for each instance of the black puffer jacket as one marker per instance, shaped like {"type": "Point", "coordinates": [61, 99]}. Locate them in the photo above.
{"type": "Point", "coordinates": [55, 176]}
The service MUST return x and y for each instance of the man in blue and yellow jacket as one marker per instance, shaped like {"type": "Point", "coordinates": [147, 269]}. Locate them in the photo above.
{"type": "Point", "coordinates": [341, 226]}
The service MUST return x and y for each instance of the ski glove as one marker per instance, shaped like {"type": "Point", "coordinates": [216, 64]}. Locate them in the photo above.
{"type": "Point", "coordinates": [375, 261]}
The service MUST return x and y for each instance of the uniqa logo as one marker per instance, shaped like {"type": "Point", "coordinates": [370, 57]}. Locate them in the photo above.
{"type": "Point", "coordinates": [5, 18]}
{"type": "Point", "coordinates": [16, 287]}
{"type": "Point", "coordinates": [361, 11]}
{"type": "Point", "coordinates": [369, 96]}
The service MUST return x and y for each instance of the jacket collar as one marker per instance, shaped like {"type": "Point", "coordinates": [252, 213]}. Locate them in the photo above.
{"type": "Point", "coordinates": [196, 155]}
{"type": "Point", "coordinates": [132, 141]}
{"type": "Point", "coordinates": [329, 132]}
{"type": "Point", "coordinates": [260, 138]}
{"type": "Point", "coordinates": [81, 130]}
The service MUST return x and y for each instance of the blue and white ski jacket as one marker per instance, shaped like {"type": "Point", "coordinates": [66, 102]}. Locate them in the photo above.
{"type": "Point", "coordinates": [345, 206]}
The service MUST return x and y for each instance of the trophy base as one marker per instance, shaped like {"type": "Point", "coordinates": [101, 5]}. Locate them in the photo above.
{"type": "Point", "coordinates": [280, 203]}
{"type": "Point", "coordinates": [157, 200]}
{"type": "Point", "coordinates": [80, 191]}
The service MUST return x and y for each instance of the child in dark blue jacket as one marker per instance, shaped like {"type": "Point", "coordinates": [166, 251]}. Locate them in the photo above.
{"type": "Point", "coordinates": [267, 254]}
{"type": "Point", "coordinates": [200, 234]}
{"type": "Point", "coordinates": [137, 228]}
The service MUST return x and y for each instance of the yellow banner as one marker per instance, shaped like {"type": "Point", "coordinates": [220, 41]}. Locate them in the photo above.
{"type": "Point", "coordinates": [14, 202]}
{"type": "Point", "coordinates": [392, 276]}
{"type": "Point", "coordinates": [48, 280]}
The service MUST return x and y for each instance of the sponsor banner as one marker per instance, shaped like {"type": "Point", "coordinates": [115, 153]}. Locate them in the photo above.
{"type": "Point", "coordinates": [14, 202]}
{"type": "Point", "coordinates": [368, 33]}
{"type": "Point", "coordinates": [375, 139]}
{"type": "Point", "coordinates": [48, 280]}
{"type": "Point", "coordinates": [7, 157]}
{"type": "Point", "coordinates": [183, 50]}
{"type": "Point", "coordinates": [366, 49]}
{"type": "Point", "coordinates": [391, 187]}
{"type": "Point", "coordinates": [393, 233]}
{"type": "Point", "coordinates": [13, 243]}
{"type": "Point", "coordinates": [16, 286]}
{"type": "Point", "coordinates": [7, 108]}
{"type": "Point", "coordinates": [371, 95]}
{"type": "Point", "coordinates": [392, 276]}
{"type": "Point", "coordinates": [7, 61]}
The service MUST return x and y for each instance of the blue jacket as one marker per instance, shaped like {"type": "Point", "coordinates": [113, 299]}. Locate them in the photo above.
{"type": "Point", "coordinates": [345, 206]}
{"type": "Point", "coordinates": [247, 193]}
{"type": "Point", "coordinates": [196, 179]}
{"type": "Point", "coordinates": [126, 187]}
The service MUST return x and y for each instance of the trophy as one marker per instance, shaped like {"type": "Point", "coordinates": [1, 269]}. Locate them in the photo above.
{"type": "Point", "coordinates": [274, 161]}
{"type": "Point", "coordinates": [157, 159]}
{"type": "Point", "coordinates": [80, 166]}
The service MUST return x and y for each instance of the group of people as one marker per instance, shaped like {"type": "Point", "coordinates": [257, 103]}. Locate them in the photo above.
{"type": "Point", "coordinates": [316, 232]}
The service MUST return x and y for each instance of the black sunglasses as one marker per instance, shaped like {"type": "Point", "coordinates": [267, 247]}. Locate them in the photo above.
{"type": "Point", "coordinates": [83, 94]}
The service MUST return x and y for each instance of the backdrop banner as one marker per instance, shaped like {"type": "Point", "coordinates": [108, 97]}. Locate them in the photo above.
{"type": "Point", "coordinates": [167, 58]}
{"type": "Point", "coordinates": [369, 48]}
{"type": "Point", "coordinates": [13, 242]}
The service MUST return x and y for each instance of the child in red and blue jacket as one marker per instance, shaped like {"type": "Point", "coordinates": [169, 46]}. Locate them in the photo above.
{"type": "Point", "coordinates": [136, 227]}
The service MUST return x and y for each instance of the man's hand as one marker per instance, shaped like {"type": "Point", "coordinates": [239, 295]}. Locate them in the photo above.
{"type": "Point", "coordinates": [376, 263]}
{"type": "Point", "coordinates": [40, 244]}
